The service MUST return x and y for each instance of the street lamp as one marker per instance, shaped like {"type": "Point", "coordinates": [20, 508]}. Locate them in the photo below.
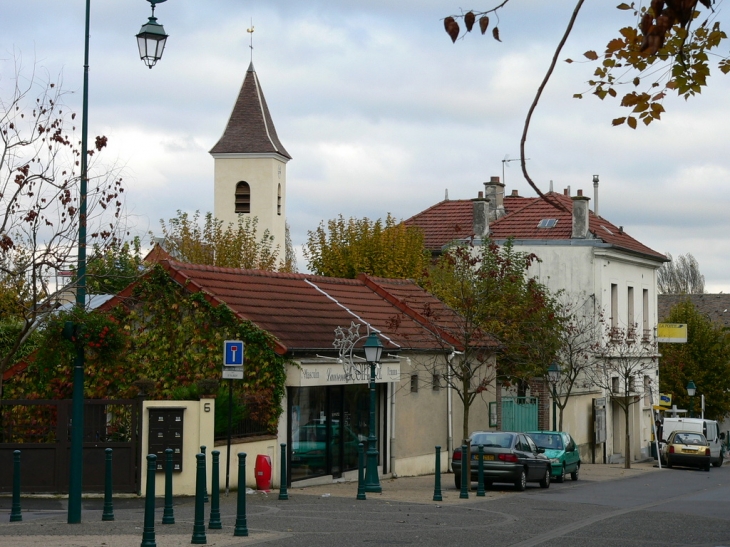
{"type": "Point", "coordinates": [373, 351]}
{"type": "Point", "coordinates": [151, 38]}
{"type": "Point", "coordinates": [554, 377]}
{"type": "Point", "coordinates": [77, 405]}
{"type": "Point", "coordinates": [691, 390]}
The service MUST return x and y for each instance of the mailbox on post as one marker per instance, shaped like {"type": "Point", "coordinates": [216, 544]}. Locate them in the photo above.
{"type": "Point", "coordinates": [166, 431]}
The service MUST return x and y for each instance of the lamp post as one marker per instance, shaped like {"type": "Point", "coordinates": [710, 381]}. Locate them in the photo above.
{"type": "Point", "coordinates": [554, 377]}
{"type": "Point", "coordinates": [691, 390]}
{"type": "Point", "coordinates": [373, 351]}
{"type": "Point", "coordinates": [77, 405]}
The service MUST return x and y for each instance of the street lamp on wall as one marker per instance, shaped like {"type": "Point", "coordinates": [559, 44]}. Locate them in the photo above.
{"type": "Point", "coordinates": [373, 350]}
{"type": "Point", "coordinates": [77, 404]}
{"type": "Point", "coordinates": [691, 390]}
{"type": "Point", "coordinates": [554, 373]}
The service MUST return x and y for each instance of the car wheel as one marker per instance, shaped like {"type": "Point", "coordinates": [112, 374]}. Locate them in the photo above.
{"type": "Point", "coordinates": [707, 468]}
{"type": "Point", "coordinates": [545, 482]}
{"type": "Point", "coordinates": [669, 464]}
{"type": "Point", "coordinates": [457, 480]}
{"type": "Point", "coordinates": [574, 475]}
{"type": "Point", "coordinates": [561, 477]}
{"type": "Point", "coordinates": [521, 482]}
{"type": "Point", "coordinates": [718, 463]}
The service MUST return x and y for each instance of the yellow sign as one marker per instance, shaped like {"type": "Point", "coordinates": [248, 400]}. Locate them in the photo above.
{"type": "Point", "coordinates": [665, 401]}
{"type": "Point", "coordinates": [672, 333]}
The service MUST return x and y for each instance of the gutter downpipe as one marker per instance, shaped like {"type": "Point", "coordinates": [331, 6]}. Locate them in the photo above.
{"type": "Point", "coordinates": [392, 431]}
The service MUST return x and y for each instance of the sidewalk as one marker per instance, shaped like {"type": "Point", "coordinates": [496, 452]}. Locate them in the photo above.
{"type": "Point", "coordinates": [44, 518]}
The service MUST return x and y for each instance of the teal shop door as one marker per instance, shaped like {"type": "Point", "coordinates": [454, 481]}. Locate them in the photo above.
{"type": "Point", "coordinates": [519, 414]}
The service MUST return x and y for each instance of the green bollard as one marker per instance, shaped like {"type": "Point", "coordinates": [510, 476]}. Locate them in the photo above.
{"type": "Point", "coordinates": [283, 493]}
{"type": "Point", "coordinates": [437, 477]}
{"type": "Point", "coordinates": [148, 535]}
{"type": "Point", "coordinates": [205, 483]}
{"type": "Point", "coordinates": [168, 516]}
{"type": "Point", "coordinates": [480, 472]}
{"type": "Point", "coordinates": [199, 525]}
{"type": "Point", "coordinates": [108, 513]}
{"type": "Point", "coordinates": [215, 512]}
{"type": "Point", "coordinates": [361, 472]}
{"type": "Point", "coordinates": [15, 514]}
{"type": "Point", "coordinates": [241, 528]}
{"type": "Point", "coordinates": [465, 474]}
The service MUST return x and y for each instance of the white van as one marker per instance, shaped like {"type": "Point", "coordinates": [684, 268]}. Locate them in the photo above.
{"type": "Point", "coordinates": [709, 428]}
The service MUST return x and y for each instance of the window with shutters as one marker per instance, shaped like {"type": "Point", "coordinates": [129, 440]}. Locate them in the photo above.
{"type": "Point", "coordinates": [243, 197]}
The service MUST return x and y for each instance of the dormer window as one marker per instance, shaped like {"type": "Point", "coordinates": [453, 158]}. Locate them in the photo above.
{"type": "Point", "coordinates": [547, 223]}
{"type": "Point", "coordinates": [243, 197]}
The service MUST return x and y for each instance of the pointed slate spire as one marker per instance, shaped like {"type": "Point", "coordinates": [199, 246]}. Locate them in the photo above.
{"type": "Point", "coordinates": [250, 128]}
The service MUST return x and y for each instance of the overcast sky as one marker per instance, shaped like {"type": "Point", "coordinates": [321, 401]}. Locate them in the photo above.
{"type": "Point", "coordinates": [381, 112]}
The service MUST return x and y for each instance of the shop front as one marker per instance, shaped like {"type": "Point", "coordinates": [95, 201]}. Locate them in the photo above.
{"type": "Point", "coordinates": [328, 416]}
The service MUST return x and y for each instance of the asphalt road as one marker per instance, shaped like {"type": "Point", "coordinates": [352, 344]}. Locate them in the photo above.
{"type": "Point", "coordinates": [672, 507]}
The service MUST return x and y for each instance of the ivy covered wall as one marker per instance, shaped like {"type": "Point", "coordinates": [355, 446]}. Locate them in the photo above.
{"type": "Point", "coordinates": [164, 335]}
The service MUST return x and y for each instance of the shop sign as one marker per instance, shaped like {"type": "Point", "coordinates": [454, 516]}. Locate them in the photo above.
{"type": "Point", "coordinates": [334, 374]}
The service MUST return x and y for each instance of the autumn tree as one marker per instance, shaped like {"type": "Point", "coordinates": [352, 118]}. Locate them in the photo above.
{"type": "Point", "coordinates": [208, 240]}
{"type": "Point", "coordinates": [627, 367]}
{"type": "Point", "coordinates": [680, 276]}
{"type": "Point", "coordinates": [576, 354]}
{"type": "Point", "coordinates": [110, 270]}
{"type": "Point", "coordinates": [346, 248]}
{"type": "Point", "coordinates": [39, 201]}
{"type": "Point", "coordinates": [704, 359]}
{"type": "Point", "coordinates": [665, 48]}
{"type": "Point", "coordinates": [489, 289]}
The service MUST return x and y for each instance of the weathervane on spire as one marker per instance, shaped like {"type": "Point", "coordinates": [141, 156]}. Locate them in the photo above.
{"type": "Point", "coordinates": [250, 31]}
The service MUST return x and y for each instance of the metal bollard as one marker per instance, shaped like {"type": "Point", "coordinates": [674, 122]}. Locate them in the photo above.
{"type": "Point", "coordinates": [148, 534]}
{"type": "Point", "coordinates": [465, 474]}
{"type": "Point", "coordinates": [283, 492]}
{"type": "Point", "coordinates": [108, 513]}
{"type": "Point", "coordinates": [480, 472]}
{"type": "Point", "coordinates": [205, 483]}
{"type": "Point", "coordinates": [168, 516]}
{"type": "Point", "coordinates": [437, 477]}
{"type": "Point", "coordinates": [215, 513]}
{"type": "Point", "coordinates": [361, 472]}
{"type": "Point", "coordinates": [15, 514]}
{"type": "Point", "coordinates": [199, 524]}
{"type": "Point", "coordinates": [241, 528]}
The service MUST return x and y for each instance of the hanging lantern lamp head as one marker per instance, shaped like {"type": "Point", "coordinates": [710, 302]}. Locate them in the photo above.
{"type": "Point", "coordinates": [151, 38]}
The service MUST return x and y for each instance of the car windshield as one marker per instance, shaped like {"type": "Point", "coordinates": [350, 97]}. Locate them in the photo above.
{"type": "Point", "coordinates": [494, 440]}
{"type": "Point", "coordinates": [548, 441]}
{"type": "Point", "coordinates": [689, 438]}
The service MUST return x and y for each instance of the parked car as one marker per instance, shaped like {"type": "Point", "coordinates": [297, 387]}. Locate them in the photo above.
{"type": "Point", "coordinates": [687, 448]}
{"type": "Point", "coordinates": [508, 457]}
{"type": "Point", "coordinates": [561, 450]}
{"type": "Point", "coordinates": [709, 428]}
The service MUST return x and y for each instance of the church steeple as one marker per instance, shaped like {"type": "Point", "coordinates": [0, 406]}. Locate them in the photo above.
{"type": "Point", "coordinates": [250, 165]}
{"type": "Point", "coordinates": [250, 128]}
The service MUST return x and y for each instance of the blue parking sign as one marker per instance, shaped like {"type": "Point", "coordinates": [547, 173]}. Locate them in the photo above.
{"type": "Point", "coordinates": [233, 353]}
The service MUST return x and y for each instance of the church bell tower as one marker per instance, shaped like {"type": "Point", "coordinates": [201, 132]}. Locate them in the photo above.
{"type": "Point", "coordinates": [250, 165]}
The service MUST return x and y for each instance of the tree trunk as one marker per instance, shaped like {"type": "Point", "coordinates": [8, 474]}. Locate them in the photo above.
{"type": "Point", "coordinates": [627, 460]}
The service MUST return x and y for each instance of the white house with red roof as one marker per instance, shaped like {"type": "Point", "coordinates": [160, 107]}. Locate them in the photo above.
{"type": "Point", "coordinates": [590, 259]}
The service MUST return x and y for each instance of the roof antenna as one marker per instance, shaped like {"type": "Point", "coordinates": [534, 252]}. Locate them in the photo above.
{"type": "Point", "coordinates": [507, 160]}
{"type": "Point", "coordinates": [250, 31]}
{"type": "Point", "coordinates": [446, 196]}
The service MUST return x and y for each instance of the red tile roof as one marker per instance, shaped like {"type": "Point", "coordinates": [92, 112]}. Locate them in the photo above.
{"type": "Point", "coordinates": [250, 128]}
{"type": "Point", "coordinates": [302, 311]}
{"type": "Point", "coordinates": [453, 219]}
{"type": "Point", "coordinates": [442, 222]}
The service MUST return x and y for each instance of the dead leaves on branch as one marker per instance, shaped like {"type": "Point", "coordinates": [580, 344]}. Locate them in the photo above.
{"type": "Point", "coordinates": [665, 52]}
{"type": "Point", "coordinates": [453, 29]}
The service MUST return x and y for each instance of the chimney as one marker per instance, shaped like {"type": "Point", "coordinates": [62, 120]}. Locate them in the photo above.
{"type": "Point", "coordinates": [494, 192]}
{"type": "Point", "coordinates": [595, 195]}
{"type": "Point", "coordinates": [515, 194]}
{"type": "Point", "coordinates": [480, 216]}
{"type": "Point", "coordinates": [580, 216]}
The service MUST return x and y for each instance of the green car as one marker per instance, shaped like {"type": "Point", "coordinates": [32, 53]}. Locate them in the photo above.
{"type": "Point", "coordinates": [562, 451]}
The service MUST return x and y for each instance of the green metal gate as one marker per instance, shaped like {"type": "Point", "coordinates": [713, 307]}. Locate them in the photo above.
{"type": "Point", "coordinates": [519, 414]}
